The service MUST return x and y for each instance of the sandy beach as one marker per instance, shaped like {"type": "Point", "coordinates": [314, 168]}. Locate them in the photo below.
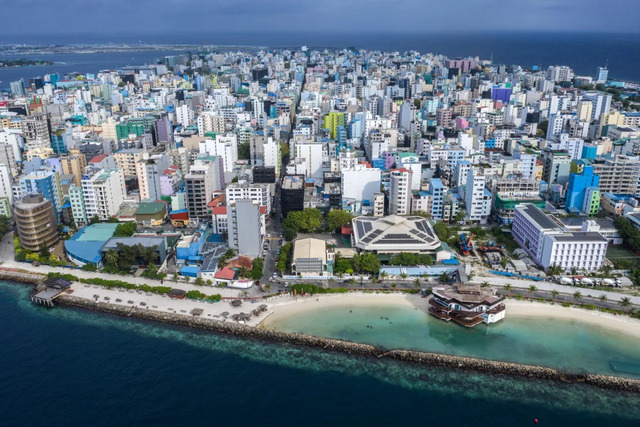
{"type": "Point", "coordinates": [622, 324]}
{"type": "Point", "coordinates": [293, 306]}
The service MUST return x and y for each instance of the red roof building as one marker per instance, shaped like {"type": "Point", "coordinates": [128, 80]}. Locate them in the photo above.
{"type": "Point", "coordinates": [225, 273]}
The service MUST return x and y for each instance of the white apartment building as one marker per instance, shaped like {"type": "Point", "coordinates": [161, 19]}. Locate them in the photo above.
{"type": "Point", "coordinates": [361, 183]}
{"type": "Point", "coordinates": [184, 115]}
{"type": "Point", "coordinates": [477, 198]}
{"type": "Point", "coordinates": [223, 146]}
{"type": "Point", "coordinates": [548, 243]}
{"type": "Point", "coordinates": [103, 193]}
{"type": "Point", "coordinates": [78, 211]}
{"type": "Point", "coordinates": [5, 183]}
{"type": "Point", "coordinates": [400, 192]}
{"type": "Point", "coordinates": [260, 193]}
{"type": "Point", "coordinates": [311, 152]}
{"type": "Point", "coordinates": [272, 155]}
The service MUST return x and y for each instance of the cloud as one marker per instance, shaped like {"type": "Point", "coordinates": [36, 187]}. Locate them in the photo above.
{"type": "Point", "coordinates": [113, 17]}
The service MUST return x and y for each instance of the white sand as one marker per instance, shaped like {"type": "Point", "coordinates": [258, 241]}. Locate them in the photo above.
{"type": "Point", "coordinates": [623, 324]}
{"type": "Point", "coordinates": [163, 303]}
{"type": "Point", "coordinates": [291, 306]}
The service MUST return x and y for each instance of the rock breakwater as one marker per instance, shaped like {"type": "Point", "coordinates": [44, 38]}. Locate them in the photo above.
{"type": "Point", "coordinates": [363, 350]}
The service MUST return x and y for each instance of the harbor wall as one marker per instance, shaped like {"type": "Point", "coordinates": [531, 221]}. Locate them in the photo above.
{"type": "Point", "coordinates": [356, 349]}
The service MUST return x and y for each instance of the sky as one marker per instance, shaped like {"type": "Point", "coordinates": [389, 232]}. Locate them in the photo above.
{"type": "Point", "coordinates": [22, 18]}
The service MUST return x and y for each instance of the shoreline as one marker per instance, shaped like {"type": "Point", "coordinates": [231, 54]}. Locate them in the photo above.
{"type": "Point", "coordinates": [425, 359]}
{"type": "Point", "coordinates": [515, 308]}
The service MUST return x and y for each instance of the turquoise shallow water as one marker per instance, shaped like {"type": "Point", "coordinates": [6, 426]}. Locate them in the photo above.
{"type": "Point", "coordinates": [74, 367]}
{"type": "Point", "coordinates": [558, 343]}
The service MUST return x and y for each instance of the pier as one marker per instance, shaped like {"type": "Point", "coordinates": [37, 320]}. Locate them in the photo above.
{"type": "Point", "coordinates": [54, 287]}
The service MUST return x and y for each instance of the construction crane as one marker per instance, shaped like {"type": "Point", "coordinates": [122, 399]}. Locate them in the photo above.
{"type": "Point", "coordinates": [466, 245]}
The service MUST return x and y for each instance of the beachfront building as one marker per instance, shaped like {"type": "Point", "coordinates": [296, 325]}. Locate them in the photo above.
{"type": "Point", "coordinates": [467, 305]}
{"type": "Point", "coordinates": [309, 257]}
{"type": "Point", "coordinates": [549, 243]}
{"type": "Point", "coordinates": [394, 234]}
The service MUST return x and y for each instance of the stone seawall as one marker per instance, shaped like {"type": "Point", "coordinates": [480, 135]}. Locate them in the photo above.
{"type": "Point", "coordinates": [364, 350]}
{"type": "Point", "coordinates": [16, 275]}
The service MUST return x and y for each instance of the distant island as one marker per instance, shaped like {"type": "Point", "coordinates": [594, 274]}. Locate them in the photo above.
{"type": "Point", "coordinates": [13, 63]}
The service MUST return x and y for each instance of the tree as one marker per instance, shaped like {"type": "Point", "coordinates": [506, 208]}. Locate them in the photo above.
{"type": "Point", "coordinates": [423, 214]}
{"type": "Point", "coordinates": [289, 234]}
{"type": "Point", "coordinates": [243, 272]}
{"type": "Point", "coordinates": [257, 266]}
{"type": "Point", "coordinates": [554, 270]}
{"type": "Point", "coordinates": [43, 252]}
{"type": "Point", "coordinates": [485, 284]}
{"type": "Point", "coordinates": [532, 289]}
{"type": "Point", "coordinates": [625, 302]}
{"type": "Point", "coordinates": [606, 269]}
{"type": "Point", "coordinates": [442, 231]}
{"type": "Point", "coordinates": [444, 277]}
{"type": "Point", "coordinates": [307, 221]}
{"type": "Point", "coordinates": [603, 297]}
{"type": "Point", "coordinates": [94, 220]}
{"type": "Point", "coordinates": [383, 274]}
{"type": "Point", "coordinates": [113, 220]}
{"type": "Point", "coordinates": [244, 151]}
{"type": "Point", "coordinates": [199, 281]}
{"type": "Point", "coordinates": [554, 294]}
{"type": "Point", "coordinates": [337, 218]}
{"type": "Point", "coordinates": [416, 283]}
{"type": "Point", "coordinates": [111, 257]}
{"type": "Point", "coordinates": [126, 229]}
{"type": "Point", "coordinates": [89, 267]}
{"type": "Point", "coordinates": [368, 263]}
{"type": "Point", "coordinates": [5, 224]}
{"type": "Point", "coordinates": [508, 288]}
{"type": "Point", "coordinates": [577, 295]}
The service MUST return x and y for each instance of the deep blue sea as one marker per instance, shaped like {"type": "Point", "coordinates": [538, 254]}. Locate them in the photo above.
{"type": "Point", "coordinates": [70, 367]}
{"type": "Point", "coordinates": [582, 51]}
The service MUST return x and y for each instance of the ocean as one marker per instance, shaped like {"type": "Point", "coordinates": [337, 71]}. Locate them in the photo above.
{"type": "Point", "coordinates": [71, 367]}
{"type": "Point", "coordinates": [563, 344]}
{"type": "Point", "coordinates": [582, 51]}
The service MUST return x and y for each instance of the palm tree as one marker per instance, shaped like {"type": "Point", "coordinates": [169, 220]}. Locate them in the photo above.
{"type": "Point", "coordinates": [554, 294]}
{"type": "Point", "coordinates": [508, 288]}
{"type": "Point", "coordinates": [383, 274]}
{"type": "Point", "coordinates": [243, 271]}
{"type": "Point", "coordinates": [111, 256]}
{"type": "Point", "coordinates": [531, 289]}
{"type": "Point", "coordinates": [403, 275]}
{"type": "Point", "coordinates": [603, 297]}
{"type": "Point", "coordinates": [625, 302]}
{"type": "Point", "coordinates": [416, 283]}
{"type": "Point", "coordinates": [577, 295]}
{"type": "Point", "coordinates": [444, 277]}
{"type": "Point", "coordinates": [484, 284]}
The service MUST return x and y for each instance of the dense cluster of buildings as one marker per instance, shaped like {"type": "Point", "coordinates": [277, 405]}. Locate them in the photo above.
{"type": "Point", "coordinates": [206, 139]}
